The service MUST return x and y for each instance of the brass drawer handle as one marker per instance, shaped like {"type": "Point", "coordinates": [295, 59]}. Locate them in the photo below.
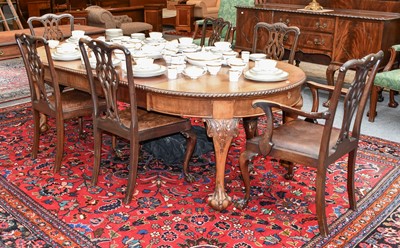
{"type": "Point", "coordinates": [1, 53]}
{"type": "Point", "coordinates": [319, 26]}
{"type": "Point", "coordinates": [318, 42]}
{"type": "Point", "coordinates": [286, 22]}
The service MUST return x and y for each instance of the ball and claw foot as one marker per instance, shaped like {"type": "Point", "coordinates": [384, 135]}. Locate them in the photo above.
{"type": "Point", "coordinates": [219, 199]}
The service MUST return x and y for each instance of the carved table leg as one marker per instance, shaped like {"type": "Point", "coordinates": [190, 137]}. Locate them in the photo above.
{"type": "Point", "coordinates": [330, 79]}
{"type": "Point", "coordinates": [222, 131]}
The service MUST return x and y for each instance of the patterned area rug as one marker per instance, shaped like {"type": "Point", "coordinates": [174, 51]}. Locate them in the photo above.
{"type": "Point", "coordinates": [13, 81]}
{"type": "Point", "coordinates": [41, 209]}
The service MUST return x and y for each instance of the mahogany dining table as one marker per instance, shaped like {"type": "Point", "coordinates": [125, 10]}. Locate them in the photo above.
{"type": "Point", "coordinates": [220, 103]}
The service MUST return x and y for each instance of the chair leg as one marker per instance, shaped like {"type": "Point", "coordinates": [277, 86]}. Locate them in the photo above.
{"type": "Point", "coordinates": [191, 139]}
{"type": "Point", "coordinates": [133, 164]}
{"type": "Point", "coordinates": [289, 167]}
{"type": "Point", "coordinates": [36, 133]}
{"type": "Point", "coordinates": [60, 144]}
{"type": "Point", "coordinates": [244, 160]}
{"type": "Point", "coordinates": [250, 127]}
{"type": "Point", "coordinates": [117, 151]}
{"type": "Point", "coordinates": [392, 101]}
{"type": "Point", "coordinates": [320, 201]}
{"type": "Point", "coordinates": [82, 134]}
{"type": "Point", "coordinates": [372, 104]}
{"type": "Point", "coordinates": [97, 135]}
{"type": "Point", "coordinates": [350, 179]}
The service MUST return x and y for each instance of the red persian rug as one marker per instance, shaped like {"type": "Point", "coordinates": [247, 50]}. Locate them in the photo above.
{"type": "Point", "coordinates": [41, 209]}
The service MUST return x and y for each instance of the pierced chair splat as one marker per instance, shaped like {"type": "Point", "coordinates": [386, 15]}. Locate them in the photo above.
{"type": "Point", "coordinates": [51, 23]}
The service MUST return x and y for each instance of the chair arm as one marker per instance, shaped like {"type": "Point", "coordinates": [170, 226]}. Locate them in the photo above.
{"type": "Point", "coordinates": [195, 2]}
{"type": "Point", "coordinates": [394, 50]}
{"type": "Point", "coordinates": [314, 87]}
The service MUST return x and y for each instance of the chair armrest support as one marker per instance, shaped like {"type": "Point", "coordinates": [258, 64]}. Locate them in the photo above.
{"type": "Point", "coordinates": [314, 87]}
{"type": "Point", "coordinates": [394, 51]}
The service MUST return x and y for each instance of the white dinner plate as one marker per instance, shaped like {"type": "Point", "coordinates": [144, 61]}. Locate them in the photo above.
{"type": "Point", "coordinates": [144, 74]}
{"type": "Point", "coordinates": [275, 77]}
{"type": "Point", "coordinates": [150, 68]}
{"type": "Point", "coordinates": [66, 57]}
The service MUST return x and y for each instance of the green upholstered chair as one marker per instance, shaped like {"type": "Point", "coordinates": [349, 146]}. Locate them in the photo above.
{"type": "Point", "coordinates": [389, 78]}
{"type": "Point", "coordinates": [227, 11]}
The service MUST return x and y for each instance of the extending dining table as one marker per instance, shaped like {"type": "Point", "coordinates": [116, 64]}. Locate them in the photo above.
{"type": "Point", "coordinates": [219, 102]}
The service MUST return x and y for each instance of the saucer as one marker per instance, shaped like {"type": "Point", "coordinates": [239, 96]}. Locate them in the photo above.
{"type": "Point", "coordinates": [66, 56]}
{"type": "Point", "coordinates": [274, 77]}
{"type": "Point", "coordinates": [144, 74]}
{"type": "Point", "coordinates": [257, 56]}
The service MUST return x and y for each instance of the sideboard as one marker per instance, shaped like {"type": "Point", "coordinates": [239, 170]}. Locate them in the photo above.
{"type": "Point", "coordinates": [330, 37]}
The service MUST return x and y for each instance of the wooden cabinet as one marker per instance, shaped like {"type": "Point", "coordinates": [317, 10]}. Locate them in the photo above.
{"type": "Point", "coordinates": [184, 17]}
{"type": "Point", "coordinates": [338, 35]}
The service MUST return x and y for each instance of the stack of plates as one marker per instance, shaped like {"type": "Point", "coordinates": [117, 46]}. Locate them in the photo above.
{"type": "Point", "coordinates": [266, 75]}
{"type": "Point", "coordinates": [202, 58]}
{"type": "Point", "coordinates": [66, 56]}
{"type": "Point", "coordinates": [75, 40]}
{"type": "Point", "coordinates": [149, 71]}
{"type": "Point", "coordinates": [113, 33]}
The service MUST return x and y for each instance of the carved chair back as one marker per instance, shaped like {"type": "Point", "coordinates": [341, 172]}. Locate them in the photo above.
{"type": "Point", "coordinates": [277, 35]}
{"type": "Point", "coordinates": [39, 87]}
{"type": "Point", "coordinates": [220, 30]}
{"type": "Point", "coordinates": [51, 23]}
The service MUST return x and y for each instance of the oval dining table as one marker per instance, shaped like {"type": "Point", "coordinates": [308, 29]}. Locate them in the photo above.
{"type": "Point", "coordinates": [220, 103]}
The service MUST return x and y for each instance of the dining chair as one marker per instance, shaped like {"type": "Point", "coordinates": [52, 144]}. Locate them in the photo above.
{"type": "Point", "coordinates": [51, 23]}
{"type": "Point", "coordinates": [271, 39]}
{"type": "Point", "coordinates": [389, 78]}
{"type": "Point", "coordinates": [308, 143]}
{"type": "Point", "coordinates": [132, 123]}
{"type": "Point", "coordinates": [46, 96]}
{"type": "Point", "coordinates": [220, 30]}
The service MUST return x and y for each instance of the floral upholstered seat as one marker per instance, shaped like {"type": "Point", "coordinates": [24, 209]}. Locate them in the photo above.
{"type": "Point", "coordinates": [389, 79]}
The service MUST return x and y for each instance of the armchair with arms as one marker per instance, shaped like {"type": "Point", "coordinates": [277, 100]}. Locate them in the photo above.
{"type": "Point", "coordinates": [100, 17]}
{"type": "Point", "coordinates": [307, 143]}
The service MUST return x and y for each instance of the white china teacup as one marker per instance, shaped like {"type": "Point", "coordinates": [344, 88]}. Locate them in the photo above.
{"type": "Point", "coordinates": [236, 64]}
{"type": "Point", "coordinates": [223, 45]}
{"type": "Point", "coordinates": [185, 40]}
{"type": "Point", "coordinates": [139, 36]}
{"type": "Point", "coordinates": [144, 62]}
{"type": "Point", "coordinates": [234, 75]}
{"type": "Point", "coordinates": [266, 63]}
{"type": "Point", "coordinates": [66, 48]}
{"type": "Point", "coordinates": [155, 35]}
{"type": "Point", "coordinates": [53, 43]}
{"type": "Point", "coordinates": [78, 33]}
{"type": "Point", "coordinates": [214, 67]}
